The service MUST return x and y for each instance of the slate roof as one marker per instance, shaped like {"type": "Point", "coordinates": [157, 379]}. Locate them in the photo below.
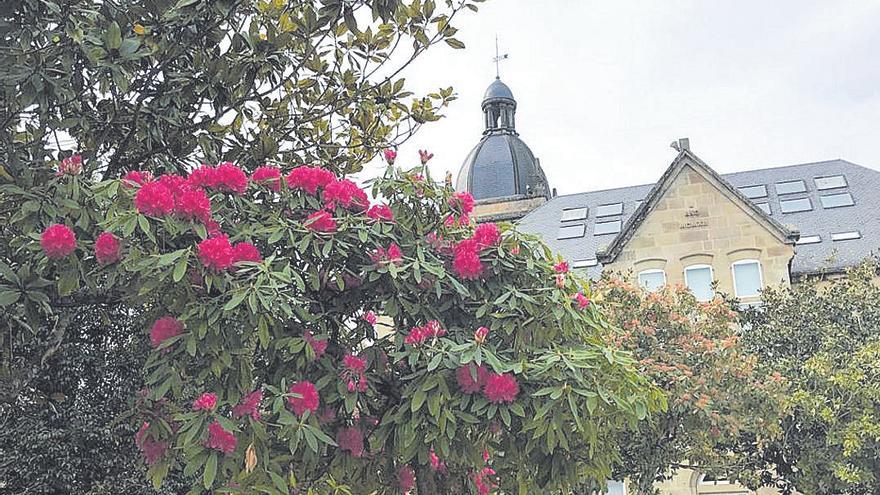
{"type": "Point", "coordinates": [827, 255]}
{"type": "Point", "coordinates": [502, 165]}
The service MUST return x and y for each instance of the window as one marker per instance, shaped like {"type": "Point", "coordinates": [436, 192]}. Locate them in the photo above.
{"type": "Point", "coordinates": [759, 191]}
{"type": "Point", "coordinates": [615, 488]}
{"type": "Point", "coordinates": [809, 239]}
{"type": "Point", "coordinates": [830, 182]}
{"type": "Point", "coordinates": [653, 279]}
{"type": "Point", "coordinates": [584, 263]}
{"type": "Point", "coordinates": [569, 214]}
{"type": "Point", "coordinates": [571, 231]}
{"type": "Point", "coordinates": [708, 479]}
{"type": "Point", "coordinates": [791, 186]}
{"type": "Point", "coordinates": [836, 200]}
{"type": "Point", "coordinates": [698, 279]}
{"type": "Point", "coordinates": [612, 227]}
{"type": "Point", "coordinates": [765, 207]}
{"type": "Point", "coordinates": [747, 279]}
{"type": "Point", "coordinates": [795, 205]}
{"type": "Point", "coordinates": [846, 236]}
{"type": "Point", "coordinates": [609, 210]}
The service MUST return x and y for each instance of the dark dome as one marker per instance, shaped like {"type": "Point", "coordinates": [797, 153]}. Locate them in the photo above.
{"type": "Point", "coordinates": [497, 90]}
{"type": "Point", "coordinates": [502, 165]}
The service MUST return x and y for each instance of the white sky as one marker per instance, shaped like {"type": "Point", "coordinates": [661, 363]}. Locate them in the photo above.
{"type": "Point", "coordinates": [603, 87]}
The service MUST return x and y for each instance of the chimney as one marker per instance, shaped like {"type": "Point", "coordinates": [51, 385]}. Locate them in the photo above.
{"type": "Point", "coordinates": [684, 144]}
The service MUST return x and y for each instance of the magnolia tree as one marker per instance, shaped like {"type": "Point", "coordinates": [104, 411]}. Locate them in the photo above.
{"type": "Point", "coordinates": [271, 371]}
{"type": "Point", "coordinates": [721, 409]}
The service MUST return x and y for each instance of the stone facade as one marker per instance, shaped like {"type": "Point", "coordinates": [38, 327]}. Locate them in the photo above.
{"type": "Point", "coordinates": [505, 208]}
{"type": "Point", "coordinates": [696, 223]}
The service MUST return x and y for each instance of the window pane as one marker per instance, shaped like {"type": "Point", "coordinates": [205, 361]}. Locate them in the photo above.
{"type": "Point", "coordinates": [615, 488]}
{"type": "Point", "coordinates": [699, 281]}
{"type": "Point", "coordinates": [836, 200]}
{"type": "Point", "coordinates": [652, 280]}
{"type": "Point", "coordinates": [759, 191]}
{"type": "Point", "coordinates": [747, 279]}
{"type": "Point", "coordinates": [830, 182]}
{"type": "Point", "coordinates": [574, 214]}
{"type": "Point", "coordinates": [584, 263]}
{"type": "Point", "coordinates": [571, 231]}
{"type": "Point", "coordinates": [846, 236]}
{"type": "Point", "coordinates": [795, 205]}
{"type": "Point", "coordinates": [607, 228]}
{"type": "Point", "coordinates": [608, 210]}
{"type": "Point", "coordinates": [792, 186]}
{"type": "Point", "coordinates": [809, 239]}
{"type": "Point", "coordinates": [765, 207]}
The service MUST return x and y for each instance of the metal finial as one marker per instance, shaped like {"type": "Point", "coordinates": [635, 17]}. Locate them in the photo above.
{"type": "Point", "coordinates": [497, 59]}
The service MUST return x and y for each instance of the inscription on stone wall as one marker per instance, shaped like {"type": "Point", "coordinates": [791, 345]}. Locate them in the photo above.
{"type": "Point", "coordinates": [692, 220]}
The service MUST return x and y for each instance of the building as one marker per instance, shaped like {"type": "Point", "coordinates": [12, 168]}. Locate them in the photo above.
{"type": "Point", "coordinates": [734, 233]}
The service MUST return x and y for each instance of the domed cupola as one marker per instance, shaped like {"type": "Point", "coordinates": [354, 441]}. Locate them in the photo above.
{"type": "Point", "coordinates": [501, 166]}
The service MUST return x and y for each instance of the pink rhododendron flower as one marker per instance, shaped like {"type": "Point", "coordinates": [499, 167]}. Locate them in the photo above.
{"type": "Point", "coordinates": [223, 177]}
{"type": "Point", "coordinates": [154, 199]}
{"type": "Point", "coordinates": [382, 256]}
{"type": "Point", "coordinates": [216, 253]}
{"type": "Point", "coordinates": [163, 329]}
{"type": "Point", "coordinates": [466, 381]}
{"type": "Point", "coordinates": [220, 439]}
{"type": "Point", "coordinates": [515, 249]}
{"type": "Point", "coordinates": [462, 202]}
{"type": "Point", "coordinates": [417, 335]}
{"type": "Point", "coordinates": [191, 203]}
{"type": "Point", "coordinates": [249, 405]}
{"type": "Point", "coordinates": [487, 235]}
{"type": "Point", "coordinates": [582, 300]}
{"type": "Point", "coordinates": [72, 165]}
{"type": "Point", "coordinates": [390, 156]}
{"type": "Point", "coordinates": [406, 479]}
{"type": "Point", "coordinates": [319, 346]}
{"type": "Point", "coordinates": [268, 176]}
{"type": "Point", "coordinates": [480, 335]}
{"type": "Point", "coordinates": [425, 157]}
{"type": "Point", "coordinates": [370, 318]}
{"type": "Point", "coordinates": [485, 455]}
{"type": "Point", "coordinates": [136, 177]}
{"type": "Point", "coordinates": [380, 213]}
{"type": "Point", "coordinates": [395, 255]}
{"type": "Point", "coordinates": [308, 399]}
{"type": "Point", "coordinates": [245, 251]}
{"type": "Point", "coordinates": [436, 463]}
{"type": "Point", "coordinates": [107, 248]}
{"type": "Point", "coordinates": [309, 179]}
{"type": "Point", "coordinates": [326, 415]}
{"type": "Point", "coordinates": [466, 260]}
{"type": "Point", "coordinates": [345, 193]}
{"type": "Point", "coordinates": [321, 221]}
{"type": "Point", "coordinates": [206, 402]}
{"type": "Point", "coordinates": [500, 388]}
{"type": "Point", "coordinates": [352, 440]}
{"type": "Point", "coordinates": [58, 241]}
{"type": "Point", "coordinates": [561, 267]}
{"type": "Point", "coordinates": [213, 228]}
{"type": "Point", "coordinates": [151, 449]}
{"type": "Point", "coordinates": [483, 481]}
{"type": "Point", "coordinates": [174, 183]}
{"type": "Point", "coordinates": [456, 221]}
{"type": "Point", "coordinates": [354, 363]}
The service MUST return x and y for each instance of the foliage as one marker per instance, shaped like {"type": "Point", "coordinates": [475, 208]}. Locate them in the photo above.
{"type": "Point", "coordinates": [691, 351]}
{"type": "Point", "coordinates": [824, 338]}
{"type": "Point", "coordinates": [558, 401]}
{"type": "Point", "coordinates": [162, 84]}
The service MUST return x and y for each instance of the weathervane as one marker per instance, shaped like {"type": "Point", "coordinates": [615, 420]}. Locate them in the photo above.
{"type": "Point", "coordinates": [497, 59]}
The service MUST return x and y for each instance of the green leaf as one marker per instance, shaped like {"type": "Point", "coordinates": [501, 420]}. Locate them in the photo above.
{"type": "Point", "coordinates": [435, 362]}
{"type": "Point", "coordinates": [113, 36]}
{"type": "Point", "coordinates": [237, 298]}
{"type": "Point", "coordinates": [210, 471]}
{"type": "Point", "coordinates": [418, 400]}
{"type": "Point", "coordinates": [454, 43]}
{"type": "Point", "coordinates": [180, 268]}
{"type": "Point", "coordinates": [279, 482]}
{"type": "Point", "coordinates": [8, 297]}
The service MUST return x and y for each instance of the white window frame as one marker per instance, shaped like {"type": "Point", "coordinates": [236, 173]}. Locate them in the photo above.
{"type": "Point", "coordinates": [760, 276]}
{"type": "Point", "coordinates": [651, 270]}
{"type": "Point", "coordinates": [711, 278]}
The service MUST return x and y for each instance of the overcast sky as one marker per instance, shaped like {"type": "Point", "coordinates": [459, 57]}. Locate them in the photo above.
{"type": "Point", "coordinates": [603, 87]}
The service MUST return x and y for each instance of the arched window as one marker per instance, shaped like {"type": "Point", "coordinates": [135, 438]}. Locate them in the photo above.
{"type": "Point", "coordinates": [698, 279]}
{"type": "Point", "coordinates": [747, 278]}
{"type": "Point", "coordinates": [653, 279]}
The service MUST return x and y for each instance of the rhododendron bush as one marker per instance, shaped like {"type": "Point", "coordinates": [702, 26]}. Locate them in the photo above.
{"type": "Point", "coordinates": [720, 407]}
{"type": "Point", "coordinates": [307, 333]}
